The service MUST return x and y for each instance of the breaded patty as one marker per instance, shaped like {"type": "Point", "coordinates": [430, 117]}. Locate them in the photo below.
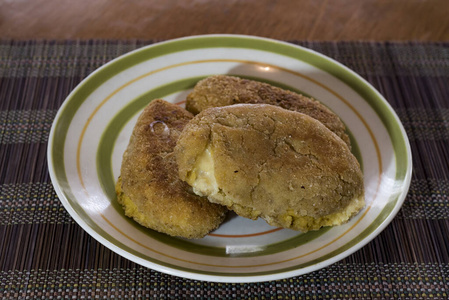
{"type": "Point", "coordinates": [264, 161]}
{"type": "Point", "coordinates": [222, 90]}
{"type": "Point", "coordinates": [149, 188]}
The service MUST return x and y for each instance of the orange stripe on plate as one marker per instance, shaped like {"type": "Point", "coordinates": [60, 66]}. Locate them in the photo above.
{"type": "Point", "coordinates": [244, 235]}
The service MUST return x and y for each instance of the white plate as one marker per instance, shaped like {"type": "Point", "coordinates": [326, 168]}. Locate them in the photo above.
{"type": "Point", "coordinates": [92, 128]}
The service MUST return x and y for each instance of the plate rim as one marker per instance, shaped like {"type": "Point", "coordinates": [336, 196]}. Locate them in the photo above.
{"type": "Point", "coordinates": [233, 277]}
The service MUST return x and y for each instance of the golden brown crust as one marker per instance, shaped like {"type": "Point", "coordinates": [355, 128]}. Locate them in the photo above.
{"type": "Point", "coordinates": [281, 165]}
{"type": "Point", "coordinates": [150, 189]}
{"type": "Point", "coordinates": [222, 90]}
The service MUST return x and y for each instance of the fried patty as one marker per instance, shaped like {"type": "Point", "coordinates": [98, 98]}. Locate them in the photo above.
{"type": "Point", "coordinates": [264, 161]}
{"type": "Point", "coordinates": [222, 90]}
{"type": "Point", "coordinates": [149, 188]}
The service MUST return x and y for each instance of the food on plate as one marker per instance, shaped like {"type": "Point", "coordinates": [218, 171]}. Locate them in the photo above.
{"type": "Point", "coordinates": [223, 90]}
{"type": "Point", "coordinates": [149, 188]}
{"type": "Point", "coordinates": [265, 161]}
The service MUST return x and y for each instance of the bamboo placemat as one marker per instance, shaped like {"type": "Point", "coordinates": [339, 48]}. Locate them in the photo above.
{"type": "Point", "coordinates": [45, 254]}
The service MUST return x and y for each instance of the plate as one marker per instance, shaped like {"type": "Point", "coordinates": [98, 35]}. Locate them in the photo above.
{"type": "Point", "coordinates": [93, 126]}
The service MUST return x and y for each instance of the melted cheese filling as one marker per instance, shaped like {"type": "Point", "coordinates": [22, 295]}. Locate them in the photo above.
{"type": "Point", "coordinates": [202, 177]}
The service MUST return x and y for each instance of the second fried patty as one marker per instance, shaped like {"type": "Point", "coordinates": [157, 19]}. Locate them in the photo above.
{"type": "Point", "coordinates": [223, 90]}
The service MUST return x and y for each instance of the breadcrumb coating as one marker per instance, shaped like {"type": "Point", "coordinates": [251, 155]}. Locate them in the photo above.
{"type": "Point", "coordinates": [264, 161]}
{"type": "Point", "coordinates": [149, 188]}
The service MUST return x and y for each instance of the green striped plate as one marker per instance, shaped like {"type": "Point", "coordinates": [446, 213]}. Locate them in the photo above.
{"type": "Point", "coordinates": [92, 129]}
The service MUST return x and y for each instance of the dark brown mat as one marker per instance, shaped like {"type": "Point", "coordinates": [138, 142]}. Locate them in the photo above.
{"type": "Point", "coordinates": [45, 254]}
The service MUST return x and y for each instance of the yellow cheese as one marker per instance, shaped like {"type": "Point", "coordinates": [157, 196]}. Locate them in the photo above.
{"type": "Point", "coordinates": [202, 177]}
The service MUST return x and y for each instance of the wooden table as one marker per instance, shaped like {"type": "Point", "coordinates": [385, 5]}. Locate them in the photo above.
{"type": "Point", "coordinates": [286, 20]}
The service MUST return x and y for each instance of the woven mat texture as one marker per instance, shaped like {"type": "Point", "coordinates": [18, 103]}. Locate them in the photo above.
{"type": "Point", "coordinates": [45, 254]}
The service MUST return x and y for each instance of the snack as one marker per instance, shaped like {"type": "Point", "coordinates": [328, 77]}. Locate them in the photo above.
{"type": "Point", "coordinates": [264, 161]}
{"type": "Point", "coordinates": [149, 188]}
{"type": "Point", "coordinates": [222, 90]}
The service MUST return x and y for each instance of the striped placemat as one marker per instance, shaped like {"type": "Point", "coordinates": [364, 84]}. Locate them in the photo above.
{"type": "Point", "coordinates": [45, 254]}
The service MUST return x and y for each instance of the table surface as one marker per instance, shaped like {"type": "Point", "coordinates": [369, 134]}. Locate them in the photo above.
{"type": "Point", "coordinates": [284, 19]}
{"type": "Point", "coordinates": [48, 47]}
